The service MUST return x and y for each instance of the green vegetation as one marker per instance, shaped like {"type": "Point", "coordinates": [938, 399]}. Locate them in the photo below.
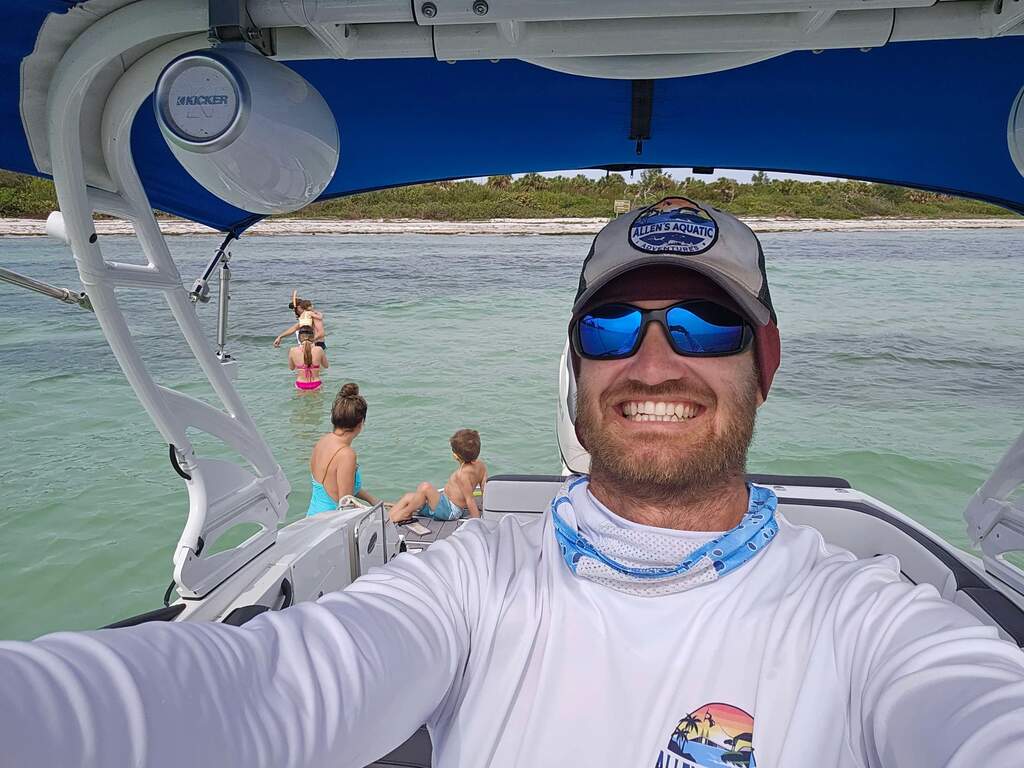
{"type": "Point", "coordinates": [534, 196]}
{"type": "Point", "coordinates": [25, 197]}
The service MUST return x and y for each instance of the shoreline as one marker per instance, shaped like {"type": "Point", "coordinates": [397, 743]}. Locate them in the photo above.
{"type": "Point", "coordinates": [563, 226]}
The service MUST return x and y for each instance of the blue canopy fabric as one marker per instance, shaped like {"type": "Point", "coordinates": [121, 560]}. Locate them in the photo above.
{"type": "Point", "coordinates": [22, 20]}
{"type": "Point", "coordinates": [931, 115]}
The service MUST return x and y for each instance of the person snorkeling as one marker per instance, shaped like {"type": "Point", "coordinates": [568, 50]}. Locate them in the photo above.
{"type": "Point", "coordinates": [307, 360]}
{"type": "Point", "coordinates": [305, 317]}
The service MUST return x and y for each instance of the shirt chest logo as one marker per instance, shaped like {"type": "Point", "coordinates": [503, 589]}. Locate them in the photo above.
{"type": "Point", "coordinates": [715, 735]}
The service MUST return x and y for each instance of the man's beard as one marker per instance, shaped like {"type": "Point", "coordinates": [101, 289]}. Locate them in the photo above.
{"type": "Point", "coordinates": [655, 466]}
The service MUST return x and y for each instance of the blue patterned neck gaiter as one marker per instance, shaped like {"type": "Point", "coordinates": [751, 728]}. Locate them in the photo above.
{"type": "Point", "coordinates": [643, 561]}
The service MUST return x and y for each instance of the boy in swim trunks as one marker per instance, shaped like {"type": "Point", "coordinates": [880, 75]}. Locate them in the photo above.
{"type": "Point", "coordinates": [456, 499]}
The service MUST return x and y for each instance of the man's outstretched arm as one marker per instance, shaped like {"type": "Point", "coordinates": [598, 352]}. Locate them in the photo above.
{"type": "Point", "coordinates": [339, 682]}
{"type": "Point", "coordinates": [930, 686]}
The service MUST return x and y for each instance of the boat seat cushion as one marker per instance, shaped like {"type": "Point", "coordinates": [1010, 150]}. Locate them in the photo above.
{"type": "Point", "coordinates": [416, 752]}
{"type": "Point", "coordinates": [519, 494]}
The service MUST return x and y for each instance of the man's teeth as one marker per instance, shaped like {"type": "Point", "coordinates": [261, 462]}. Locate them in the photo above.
{"type": "Point", "coordinates": [650, 411]}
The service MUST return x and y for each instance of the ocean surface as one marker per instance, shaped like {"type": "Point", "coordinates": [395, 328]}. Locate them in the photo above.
{"type": "Point", "coordinates": [901, 371]}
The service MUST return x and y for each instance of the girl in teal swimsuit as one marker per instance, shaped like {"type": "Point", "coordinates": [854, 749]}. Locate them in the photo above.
{"type": "Point", "coordinates": [334, 460]}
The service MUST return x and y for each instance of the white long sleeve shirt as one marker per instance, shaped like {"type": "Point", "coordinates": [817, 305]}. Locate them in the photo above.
{"type": "Point", "coordinates": [513, 661]}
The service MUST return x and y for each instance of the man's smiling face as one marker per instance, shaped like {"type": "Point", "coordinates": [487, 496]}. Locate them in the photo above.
{"type": "Point", "coordinates": [666, 422]}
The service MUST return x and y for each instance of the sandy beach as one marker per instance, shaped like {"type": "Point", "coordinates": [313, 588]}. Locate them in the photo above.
{"type": "Point", "coordinates": [35, 227]}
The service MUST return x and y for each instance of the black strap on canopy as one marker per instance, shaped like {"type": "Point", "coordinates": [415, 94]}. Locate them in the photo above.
{"type": "Point", "coordinates": [641, 110]}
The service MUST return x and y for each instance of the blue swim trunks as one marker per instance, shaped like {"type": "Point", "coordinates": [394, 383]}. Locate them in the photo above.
{"type": "Point", "coordinates": [445, 510]}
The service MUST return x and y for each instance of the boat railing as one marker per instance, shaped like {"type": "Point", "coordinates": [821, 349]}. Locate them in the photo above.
{"type": "Point", "coordinates": [103, 179]}
{"type": "Point", "coordinates": [995, 519]}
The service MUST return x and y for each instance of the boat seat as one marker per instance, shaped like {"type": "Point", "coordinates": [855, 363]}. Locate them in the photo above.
{"type": "Point", "coordinates": [522, 496]}
{"type": "Point", "coordinates": [416, 752]}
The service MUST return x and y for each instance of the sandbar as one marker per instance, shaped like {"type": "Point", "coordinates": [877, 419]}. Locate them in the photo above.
{"type": "Point", "coordinates": [563, 226]}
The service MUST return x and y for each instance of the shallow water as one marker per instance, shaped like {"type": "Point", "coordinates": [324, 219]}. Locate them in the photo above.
{"type": "Point", "coordinates": [900, 372]}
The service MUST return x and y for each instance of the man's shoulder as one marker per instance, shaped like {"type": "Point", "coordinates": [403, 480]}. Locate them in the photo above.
{"type": "Point", "coordinates": [809, 570]}
{"type": "Point", "coordinates": [859, 591]}
{"type": "Point", "coordinates": [505, 530]}
{"type": "Point", "coordinates": [501, 545]}
{"type": "Point", "coordinates": [808, 551]}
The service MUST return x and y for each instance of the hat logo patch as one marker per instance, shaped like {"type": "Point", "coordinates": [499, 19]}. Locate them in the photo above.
{"type": "Point", "coordinates": [674, 225]}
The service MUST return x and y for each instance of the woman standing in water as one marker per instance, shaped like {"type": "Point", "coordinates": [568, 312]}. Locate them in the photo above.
{"type": "Point", "coordinates": [307, 360]}
{"type": "Point", "coordinates": [333, 468]}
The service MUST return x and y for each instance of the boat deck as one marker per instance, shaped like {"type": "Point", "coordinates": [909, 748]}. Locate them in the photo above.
{"type": "Point", "coordinates": [439, 529]}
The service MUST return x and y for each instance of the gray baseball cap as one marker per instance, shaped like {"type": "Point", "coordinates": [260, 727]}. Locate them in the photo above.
{"type": "Point", "coordinates": [680, 232]}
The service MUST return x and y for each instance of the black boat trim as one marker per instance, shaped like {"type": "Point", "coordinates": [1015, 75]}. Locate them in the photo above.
{"type": "Point", "coordinates": [167, 613]}
{"type": "Point", "coordinates": [807, 481]}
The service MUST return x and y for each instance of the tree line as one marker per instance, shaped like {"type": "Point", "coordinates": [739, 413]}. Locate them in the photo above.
{"type": "Point", "coordinates": [536, 196]}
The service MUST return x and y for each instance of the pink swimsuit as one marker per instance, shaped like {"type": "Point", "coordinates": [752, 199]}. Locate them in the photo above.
{"type": "Point", "coordinates": [308, 385]}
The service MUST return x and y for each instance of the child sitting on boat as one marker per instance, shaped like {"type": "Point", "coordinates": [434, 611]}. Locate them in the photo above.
{"type": "Point", "coordinates": [456, 499]}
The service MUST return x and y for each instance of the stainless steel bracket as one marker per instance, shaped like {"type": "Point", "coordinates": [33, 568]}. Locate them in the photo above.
{"type": "Point", "coordinates": [230, 22]}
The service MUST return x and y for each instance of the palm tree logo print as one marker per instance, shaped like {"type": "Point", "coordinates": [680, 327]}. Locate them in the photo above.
{"type": "Point", "coordinates": [687, 726]}
{"type": "Point", "coordinates": [714, 735]}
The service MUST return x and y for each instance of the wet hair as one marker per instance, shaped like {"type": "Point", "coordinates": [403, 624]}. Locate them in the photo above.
{"type": "Point", "coordinates": [304, 304]}
{"type": "Point", "coordinates": [466, 444]}
{"type": "Point", "coordinates": [349, 409]}
{"type": "Point", "coordinates": [306, 339]}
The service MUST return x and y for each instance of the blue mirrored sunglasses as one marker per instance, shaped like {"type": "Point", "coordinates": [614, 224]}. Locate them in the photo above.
{"type": "Point", "coordinates": [695, 328]}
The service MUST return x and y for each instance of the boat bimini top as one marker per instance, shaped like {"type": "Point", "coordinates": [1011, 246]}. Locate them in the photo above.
{"type": "Point", "coordinates": [910, 92]}
{"type": "Point", "coordinates": [224, 111]}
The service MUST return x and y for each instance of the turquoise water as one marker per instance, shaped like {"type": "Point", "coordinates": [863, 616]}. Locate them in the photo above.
{"type": "Point", "coordinates": [900, 371]}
